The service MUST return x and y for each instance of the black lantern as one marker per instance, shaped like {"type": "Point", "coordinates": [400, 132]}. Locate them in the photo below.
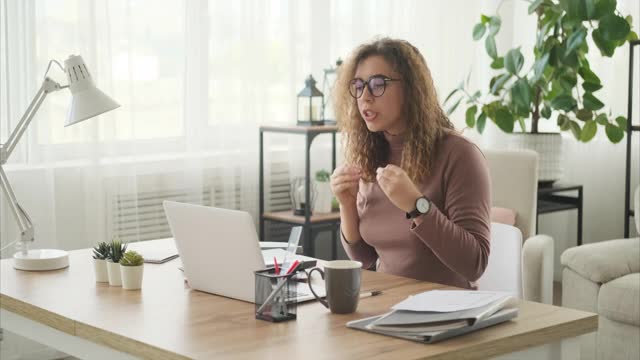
{"type": "Point", "coordinates": [310, 101]}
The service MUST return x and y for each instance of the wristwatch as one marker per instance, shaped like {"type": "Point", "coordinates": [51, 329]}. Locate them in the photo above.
{"type": "Point", "coordinates": [422, 207]}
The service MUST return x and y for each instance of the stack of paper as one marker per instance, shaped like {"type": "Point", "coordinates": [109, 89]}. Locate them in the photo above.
{"type": "Point", "coordinates": [440, 314]}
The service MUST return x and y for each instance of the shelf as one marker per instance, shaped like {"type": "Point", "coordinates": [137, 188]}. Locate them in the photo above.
{"type": "Point", "coordinates": [294, 129]}
{"type": "Point", "coordinates": [635, 127]}
{"type": "Point", "coordinates": [288, 217]}
{"type": "Point", "coordinates": [545, 207]}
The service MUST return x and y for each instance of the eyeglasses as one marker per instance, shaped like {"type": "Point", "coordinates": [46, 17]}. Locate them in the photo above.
{"type": "Point", "coordinates": [376, 84]}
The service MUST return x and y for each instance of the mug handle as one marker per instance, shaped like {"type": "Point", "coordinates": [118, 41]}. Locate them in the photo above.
{"type": "Point", "coordinates": [323, 302]}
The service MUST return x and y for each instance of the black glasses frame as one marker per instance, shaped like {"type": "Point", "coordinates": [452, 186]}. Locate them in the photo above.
{"type": "Point", "coordinates": [367, 83]}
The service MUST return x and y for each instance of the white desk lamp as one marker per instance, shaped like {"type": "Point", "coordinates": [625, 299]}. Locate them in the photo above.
{"type": "Point", "coordinates": [86, 102]}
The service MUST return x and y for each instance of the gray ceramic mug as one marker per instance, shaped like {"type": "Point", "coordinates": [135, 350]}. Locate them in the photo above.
{"type": "Point", "coordinates": [342, 282]}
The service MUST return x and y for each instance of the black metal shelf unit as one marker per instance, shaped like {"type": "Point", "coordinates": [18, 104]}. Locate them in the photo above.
{"type": "Point", "coordinates": [630, 129]}
{"type": "Point", "coordinates": [309, 222]}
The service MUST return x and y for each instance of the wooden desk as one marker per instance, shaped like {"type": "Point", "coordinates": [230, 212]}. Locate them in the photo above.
{"type": "Point", "coordinates": [166, 320]}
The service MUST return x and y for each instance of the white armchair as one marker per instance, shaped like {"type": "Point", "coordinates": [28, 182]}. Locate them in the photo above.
{"type": "Point", "coordinates": [514, 185]}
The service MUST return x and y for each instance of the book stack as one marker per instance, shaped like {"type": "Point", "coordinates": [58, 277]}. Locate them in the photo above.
{"type": "Point", "coordinates": [439, 314]}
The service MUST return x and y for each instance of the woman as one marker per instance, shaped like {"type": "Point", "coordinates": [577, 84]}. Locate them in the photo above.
{"type": "Point", "coordinates": [414, 195]}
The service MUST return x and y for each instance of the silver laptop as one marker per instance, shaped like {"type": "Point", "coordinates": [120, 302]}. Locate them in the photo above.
{"type": "Point", "coordinates": [220, 250]}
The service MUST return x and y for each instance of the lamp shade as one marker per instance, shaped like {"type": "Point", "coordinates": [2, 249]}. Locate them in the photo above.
{"type": "Point", "coordinates": [87, 100]}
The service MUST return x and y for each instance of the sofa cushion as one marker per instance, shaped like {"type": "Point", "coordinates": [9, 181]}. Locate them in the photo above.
{"type": "Point", "coordinates": [604, 261]}
{"type": "Point", "coordinates": [619, 299]}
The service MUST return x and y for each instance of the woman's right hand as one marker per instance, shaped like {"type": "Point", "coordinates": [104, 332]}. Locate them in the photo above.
{"type": "Point", "coordinates": [344, 184]}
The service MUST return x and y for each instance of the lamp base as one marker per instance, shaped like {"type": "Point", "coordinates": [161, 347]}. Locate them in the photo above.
{"type": "Point", "coordinates": [41, 260]}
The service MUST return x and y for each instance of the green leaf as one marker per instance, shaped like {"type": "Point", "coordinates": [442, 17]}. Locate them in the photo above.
{"type": "Point", "coordinates": [490, 46]}
{"type": "Point", "coordinates": [588, 131]}
{"type": "Point", "coordinates": [478, 31]}
{"type": "Point", "coordinates": [494, 25]}
{"type": "Point", "coordinates": [504, 119]}
{"type": "Point", "coordinates": [498, 63]}
{"type": "Point", "coordinates": [563, 102]}
{"type": "Point", "coordinates": [575, 40]}
{"type": "Point", "coordinates": [591, 102]}
{"type": "Point", "coordinates": [568, 80]}
{"type": "Point", "coordinates": [563, 122]}
{"type": "Point", "coordinates": [614, 133]}
{"type": "Point", "coordinates": [523, 126]}
{"type": "Point", "coordinates": [632, 36]}
{"type": "Point", "coordinates": [482, 121]}
{"type": "Point", "coordinates": [613, 27]}
{"type": "Point", "coordinates": [471, 116]}
{"type": "Point", "coordinates": [534, 5]}
{"type": "Point", "coordinates": [588, 75]}
{"type": "Point", "coordinates": [484, 19]}
{"type": "Point", "coordinates": [546, 112]}
{"type": "Point", "coordinates": [539, 66]}
{"type": "Point", "coordinates": [579, 9]}
{"type": "Point", "coordinates": [499, 83]}
{"type": "Point", "coordinates": [606, 47]}
{"type": "Point", "coordinates": [602, 119]}
{"type": "Point", "coordinates": [513, 61]}
{"type": "Point", "coordinates": [521, 93]}
{"type": "Point", "coordinates": [450, 95]}
{"type": "Point", "coordinates": [622, 122]}
{"type": "Point", "coordinates": [591, 87]}
{"type": "Point", "coordinates": [604, 7]}
{"type": "Point", "coordinates": [584, 114]}
{"type": "Point", "coordinates": [575, 129]}
{"type": "Point", "coordinates": [453, 107]}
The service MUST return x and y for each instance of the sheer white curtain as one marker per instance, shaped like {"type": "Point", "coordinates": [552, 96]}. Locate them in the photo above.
{"type": "Point", "coordinates": [196, 78]}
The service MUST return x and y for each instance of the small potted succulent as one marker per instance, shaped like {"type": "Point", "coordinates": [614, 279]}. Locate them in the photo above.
{"type": "Point", "coordinates": [131, 270]}
{"type": "Point", "coordinates": [116, 250]}
{"type": "Point", "coordinates": [100, 255]}
{"type": "Point", "coordinates": [323, 201]}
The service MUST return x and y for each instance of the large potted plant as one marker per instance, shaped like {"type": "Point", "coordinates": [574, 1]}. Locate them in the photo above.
{"type": "Point", "coordinates": [559, 85]}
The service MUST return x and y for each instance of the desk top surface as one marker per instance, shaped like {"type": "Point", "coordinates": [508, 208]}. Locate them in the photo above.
{"type": "Point", "coordinates": [167, 320]}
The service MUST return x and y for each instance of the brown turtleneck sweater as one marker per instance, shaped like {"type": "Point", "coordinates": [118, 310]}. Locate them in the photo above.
{"type": "Point", "coordinates": [447, 245]}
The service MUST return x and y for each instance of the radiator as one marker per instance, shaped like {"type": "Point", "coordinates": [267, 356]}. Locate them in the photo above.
{"type": "Point", "coordinates": [138, 215]}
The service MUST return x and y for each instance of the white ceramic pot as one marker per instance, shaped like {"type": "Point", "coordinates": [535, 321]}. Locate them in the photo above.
{"type": "Point", "coordinates": [323, 200]}
{"type": "Point", "coordinates": [113, 270]}
{"type": "Point", "coordinates": [131, 277]}
{"type": "Point", "coordinates": [100, 269]}
{"type": "Point", "coordinates": [549, 149]}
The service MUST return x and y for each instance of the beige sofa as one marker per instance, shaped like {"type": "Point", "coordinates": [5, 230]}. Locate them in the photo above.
{"type": "Point", "coordinates": [604, 278]}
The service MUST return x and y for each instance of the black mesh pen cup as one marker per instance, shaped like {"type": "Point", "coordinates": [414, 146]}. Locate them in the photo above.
{"type": "Point", "coordinates": [275, 296]}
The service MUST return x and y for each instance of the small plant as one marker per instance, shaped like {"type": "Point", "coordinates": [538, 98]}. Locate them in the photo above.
{"type": "Point", "coordinates": [116, 250]}
{"type": "Point", "coordinates": [131, 258]}
{"type": "Point", "coordinates": [322, 175]}
{"type": "Point", "coordinates": [101, 251]}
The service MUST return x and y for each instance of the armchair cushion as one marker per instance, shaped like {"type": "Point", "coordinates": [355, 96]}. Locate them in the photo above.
{"type": "Point", "coordinates": [619, 299]}
{"type": "Point", "coordinates": [604, 261]}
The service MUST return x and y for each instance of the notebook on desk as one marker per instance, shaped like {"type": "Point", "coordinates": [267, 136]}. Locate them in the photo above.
{"type": "Point", "coordinates": [437, 335]}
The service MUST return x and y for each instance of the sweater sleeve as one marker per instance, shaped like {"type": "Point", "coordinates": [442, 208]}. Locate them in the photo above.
{"type": "Point", "coordinates": [459, 233]}
{"type": "Point", "coordinates": [361, 251]}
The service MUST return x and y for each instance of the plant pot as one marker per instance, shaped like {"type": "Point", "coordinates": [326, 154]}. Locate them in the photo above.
{"type": "Point", "coordinates": [323, 200]}
{"type": "Point", "coordinates": [131, 277]}
{"type": "Point", "coordinates": [100, 270]}
{"type": "Point", "coordinates": [549, 149]}
{"type": "Point", "coordinates": [113, 269]}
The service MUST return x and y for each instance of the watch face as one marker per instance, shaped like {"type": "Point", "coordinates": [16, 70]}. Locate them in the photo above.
{"type": "Point", "coordinates": [422, 205]}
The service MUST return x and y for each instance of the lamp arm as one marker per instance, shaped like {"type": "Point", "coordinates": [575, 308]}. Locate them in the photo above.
{"type": "Point", "coordinates": [48, 86]}
{"type": "Point", "coordinates": [24, 222]}
{"type": "Point", "coordinates": [23, 219]}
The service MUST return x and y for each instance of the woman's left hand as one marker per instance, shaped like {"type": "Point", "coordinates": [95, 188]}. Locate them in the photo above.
{"type": "Point", "coordinates": [398, 187]}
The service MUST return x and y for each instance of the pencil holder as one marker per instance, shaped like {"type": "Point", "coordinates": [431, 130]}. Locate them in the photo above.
{"type": "Point", "coordinates": [275, 296]}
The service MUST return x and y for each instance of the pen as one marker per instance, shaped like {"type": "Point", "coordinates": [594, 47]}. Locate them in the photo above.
{"type": "Point", "coordinates": [293, 267]}
{"type": "Point", "coordinates": [277, 268]}
{"type": "Point", "coordinates": [370, 293]}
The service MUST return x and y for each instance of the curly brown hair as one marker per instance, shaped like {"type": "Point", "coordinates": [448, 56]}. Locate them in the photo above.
{"type": "Point", "coordinates": [426, 122]}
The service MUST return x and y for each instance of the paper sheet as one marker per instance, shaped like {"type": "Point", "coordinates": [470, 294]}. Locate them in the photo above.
{"type": "Point", "coordinates": [449, 300]}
